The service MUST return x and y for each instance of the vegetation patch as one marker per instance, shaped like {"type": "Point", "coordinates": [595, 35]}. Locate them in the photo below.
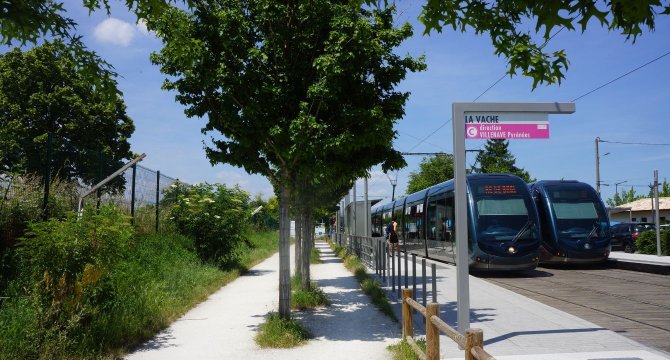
{"type": "Point", "coordinates": [276, 332]}
{"type": "Point", "coordinates": [403, 350]}
{"type": "Point", "coordinates": [307, 299]}
{"type": "Point", "coordinates": [646, 242]}
{"type": "Point", "coordinates": [315, 256]}
{"type": "Point", "coordinates": [370, 286]}
{"type": "Point", "coordinates": [92, 288]}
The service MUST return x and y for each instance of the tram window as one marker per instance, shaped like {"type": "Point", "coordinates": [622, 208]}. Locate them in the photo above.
{"type": "Point", "coordinates": [585, 210]}
{"type": "Point", "coordinates": [488, 206]}
{"type": "Point", "coordinates": [439, 217]}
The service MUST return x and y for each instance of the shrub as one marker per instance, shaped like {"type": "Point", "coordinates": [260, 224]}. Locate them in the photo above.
{"type": "Point", "coordinates": [646, 242]}
{"type": "Point", "coordinates": [216, 217]}
{"type": "Point", "coordinates": [64, 265]}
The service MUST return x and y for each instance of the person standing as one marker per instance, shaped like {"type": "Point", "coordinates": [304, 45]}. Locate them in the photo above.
{"type": "Point", "coordinates": [392, 234]}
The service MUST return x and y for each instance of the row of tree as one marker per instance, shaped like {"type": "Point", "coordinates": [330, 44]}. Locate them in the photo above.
{"type": "Point", "coordinates": [304, 92]}
{"type": "Point", "coordinates": [630, 195]}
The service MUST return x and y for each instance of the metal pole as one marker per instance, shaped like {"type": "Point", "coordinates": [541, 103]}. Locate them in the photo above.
{"type": "Point", "coordinates": [406, 271]}
{"type": "Point", "coordinates": [399, 272]}
{"type": "Point", "coordinates": [158, 192]}
{"type": "Point", "coordinates": [47, 176]}
{"type": "Point", "coordinates": [392, 268]}
{"type": "Point", "coordinates": [367, 208]}
{"type": "Point", "coordinates": [656, 217]}
{"type": "Point", "coordinates": [355, 217]}
{"type": "Point", "coordinates": [597, 167]}
{"type": "Point", "coordinates": [423, 280]}
{"type": "Point", "coordinates": [414, 276]}
{"type": "Point", "coordinates": [462, 271]}
{"type": "Point", "coordinates": [132, 197]}
{"type": "Point", "coordinates": [433, 269]}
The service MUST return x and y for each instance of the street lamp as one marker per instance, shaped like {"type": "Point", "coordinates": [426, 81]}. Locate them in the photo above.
{"type": "Point", "coordinates": [598, 156]}
{"type": "Point", "coordinates": [394, 182]}
{"type": "Point", "coordinates": [616, 186]}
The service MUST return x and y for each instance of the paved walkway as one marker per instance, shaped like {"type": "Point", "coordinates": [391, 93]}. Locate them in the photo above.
{"type": "Point", "coordinates": [224, 326]}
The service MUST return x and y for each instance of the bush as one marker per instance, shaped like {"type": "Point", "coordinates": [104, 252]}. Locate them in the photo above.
{"type": "Point", "coordinates": [646, 242]}
{"type": "Point", "coordinates": [64, 266]}
{"type": "Point", "coordinates": [214, 216]}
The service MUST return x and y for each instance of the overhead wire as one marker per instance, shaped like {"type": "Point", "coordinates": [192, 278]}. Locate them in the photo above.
{"type": "Point", "coordinates": [633, 143]}
{"type": "Point", "coordinates": [620, 77]}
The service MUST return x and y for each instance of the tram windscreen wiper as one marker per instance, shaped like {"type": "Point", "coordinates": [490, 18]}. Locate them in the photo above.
{"type": "Point", "coordinates": [596, 227]}
{"type": "Point", "coordinates": [525, 228]}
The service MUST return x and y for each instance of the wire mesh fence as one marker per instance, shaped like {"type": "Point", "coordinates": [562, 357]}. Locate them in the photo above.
{"type": "Point", "coordinates": [139, 192]}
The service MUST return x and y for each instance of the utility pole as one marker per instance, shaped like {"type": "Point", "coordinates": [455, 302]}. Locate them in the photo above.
{"type": "Point", "coordinates": [616, 186]}
{"type": "Point", "coordinates": [597, 167]}
{"type": "Point", "coordinates": [656, 217]}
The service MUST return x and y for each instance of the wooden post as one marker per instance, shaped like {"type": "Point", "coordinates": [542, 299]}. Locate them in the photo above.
{"type": "Point", "coordinates": [407, 315]}
{"type": "Point", "coordinates": [473, 337]}
{"type": "Point", "coordinates": [432, 333]}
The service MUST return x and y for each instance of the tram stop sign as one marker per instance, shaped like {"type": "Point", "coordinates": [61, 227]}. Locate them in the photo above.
{"type": "Point", "coordinates": [506, 125]}
{"type": "Point", "coordinates": [488, 121]}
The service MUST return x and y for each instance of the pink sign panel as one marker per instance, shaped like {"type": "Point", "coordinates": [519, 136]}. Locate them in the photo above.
{"type": "Point", "coordinates": [507, 131]}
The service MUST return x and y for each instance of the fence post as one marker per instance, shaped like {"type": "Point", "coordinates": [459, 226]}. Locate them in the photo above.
{"type": "Point", "coordinates": [132, 196]}
{"type": "Point", "coordinates": [432, 333]}
{"type": "Point", "coordinates": [47, 176]}
{"type": "Point", "coordinates": [407, 315]}
{"type": "Point", "coordinates": [158, 184]}
{"type": "Point", "coordinates": [473, 337]}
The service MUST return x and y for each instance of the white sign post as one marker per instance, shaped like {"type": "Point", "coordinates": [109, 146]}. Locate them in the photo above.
{"type": "Point", "coordinates": [496, 121]}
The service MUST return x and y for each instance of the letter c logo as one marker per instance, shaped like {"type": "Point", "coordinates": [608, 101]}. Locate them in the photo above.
{"type": "Point", "coordinates": [471, 131]}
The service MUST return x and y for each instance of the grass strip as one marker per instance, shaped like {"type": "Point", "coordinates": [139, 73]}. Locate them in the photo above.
{"type": "Point", "coordinates": [403, 351]}
{"type": "Point", "coordinates": [276, 332]}
{"type": "Point", "coordinates": [306, 299]}
{"type": "Point", "coordinates": [370, 286]}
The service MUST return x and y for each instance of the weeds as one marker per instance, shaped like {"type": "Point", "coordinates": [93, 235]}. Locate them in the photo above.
{"type": "Point", "coordinates": [403, 350]}
{"type": "Point", "coordinates": [276, 332]}
{"type": "Point", "coordinates": [306, 299]}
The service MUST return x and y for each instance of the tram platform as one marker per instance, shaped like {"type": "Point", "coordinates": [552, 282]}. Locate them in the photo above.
{"type": "Point", "coordinates": [640, 262]}
{"type": "Point", "coordinates": [517, 327]}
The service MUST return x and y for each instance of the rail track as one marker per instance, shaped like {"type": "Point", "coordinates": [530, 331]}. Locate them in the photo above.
{"type": "Point", "coordinates": [634, 304]}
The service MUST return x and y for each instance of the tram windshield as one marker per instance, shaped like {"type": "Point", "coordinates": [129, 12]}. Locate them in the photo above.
{"type": "Point", "coordinates": [502, 212]}
{"type": "Point", "coordinates": [579, 214]}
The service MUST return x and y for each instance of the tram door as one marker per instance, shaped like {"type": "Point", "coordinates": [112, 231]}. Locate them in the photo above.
{"type": "Point", "coordinates": [440, 229]}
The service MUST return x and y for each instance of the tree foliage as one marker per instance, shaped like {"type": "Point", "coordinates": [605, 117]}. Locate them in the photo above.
{"type": "Point", "coordinates": [505, 22]}
{"type": "Point", "coordinates": [431, 171]}
{"type": "Point", "coordinates": [496, 158]}
{"type": "Point", "coordinates": [294, 88]}
{"type": "Point", "coordinates": [630, 195]}
{"type": "Point", "coordinates": [43, 90]}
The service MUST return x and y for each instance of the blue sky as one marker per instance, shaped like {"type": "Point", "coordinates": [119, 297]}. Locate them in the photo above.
{"type": "Point", "coordinates": [461, 66]}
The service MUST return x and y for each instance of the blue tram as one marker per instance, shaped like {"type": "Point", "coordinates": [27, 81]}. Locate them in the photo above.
{"type": "Point", "coordinates": [575, 226]}
{"type": "Point", "coordinates": [503, 224]}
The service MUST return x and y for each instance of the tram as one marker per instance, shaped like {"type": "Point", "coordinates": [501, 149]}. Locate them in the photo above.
{"type": "Point", "coordinates": [574, 222]}
{"type": "Point", "coordinates": [503, 224]}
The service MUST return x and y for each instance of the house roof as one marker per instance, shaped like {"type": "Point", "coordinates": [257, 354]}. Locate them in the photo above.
{"type": "Point", "coordinates": [645, 204]}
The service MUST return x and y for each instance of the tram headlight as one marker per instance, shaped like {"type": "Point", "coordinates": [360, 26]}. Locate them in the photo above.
{"type": "Point", "coordinates": [587, 246]}
{"type": "Point", "coordinates": [511, 250]}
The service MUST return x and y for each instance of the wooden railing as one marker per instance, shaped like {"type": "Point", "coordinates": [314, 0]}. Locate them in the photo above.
{"type": "Point", "coordinates": [472, 342]}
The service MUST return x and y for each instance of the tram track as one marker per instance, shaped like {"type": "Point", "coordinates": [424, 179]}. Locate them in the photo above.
{"type": "Point", "coordinates": [620, 300]}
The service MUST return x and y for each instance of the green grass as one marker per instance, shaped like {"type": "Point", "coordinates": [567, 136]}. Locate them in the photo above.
{"type": "Point", "coordinates": [403, 351]}
{"type": "Point", "coordinates": [159, 281]}
{"type": "Point", "coordinates": [306, 299]}
{"type": "Point", "coordinates": [276, 332]}
{"type": "Point", "coordinates": [370, 286]}
{"type": "Point", "coordinates": [315, 256]}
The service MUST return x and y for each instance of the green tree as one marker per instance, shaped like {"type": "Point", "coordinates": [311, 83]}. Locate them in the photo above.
{"type": "Point", "coordinates": [431, 171]}
{"type": "Point", "coordinates": [507, 21]}
{"type": "Point", "coordinates": [43, 90]}
{"type": "Point", "coordinates": [496, 158]}
{"type": "Point", "coordinates": [295, 89]}
{"type": "Point", "coordinates": [624, 198]}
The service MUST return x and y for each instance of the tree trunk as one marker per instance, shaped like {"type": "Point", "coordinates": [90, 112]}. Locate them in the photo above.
{"type": "Point", "coordinates": [308, 232]}
{"type": "Point", "coordinates": [284, 255]}
{"type": "Point", "coordinates": [298, 243]}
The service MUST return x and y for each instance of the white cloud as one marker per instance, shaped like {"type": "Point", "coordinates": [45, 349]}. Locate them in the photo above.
{"type": "Point", "coordinates": [115, 31]}
{"type": "Point", "coordinates": [232, 178]}
{"type": "Point", "coordinates": [142, 27]}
